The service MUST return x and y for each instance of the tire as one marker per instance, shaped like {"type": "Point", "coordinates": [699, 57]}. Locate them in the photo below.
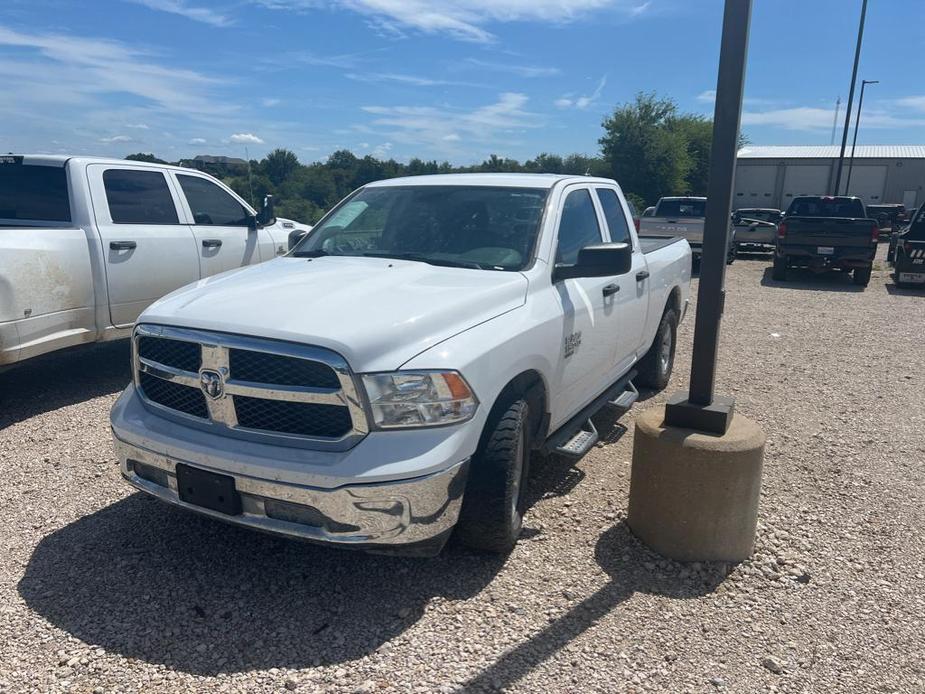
{"type": "Point", "coordinates": [654, 369]}
{"type": "Point", "coordinates": [733, 254]}
{"type": "Point", "coordinates": [495, 500]}
{"type": "Point", "coordinates": [861, 276]}
{"type": "Point", "coordinates": [779, 270]}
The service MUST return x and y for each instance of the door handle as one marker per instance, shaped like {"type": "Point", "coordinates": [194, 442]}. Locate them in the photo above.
{"type": "Point", "coordinates": [610, 289]}
{"type": "Point", "coordinates": [642, 275]}
{"type": "Point", "coordinates": [211, 243]}
{"type": "Point", "coordinates": [122, 245]}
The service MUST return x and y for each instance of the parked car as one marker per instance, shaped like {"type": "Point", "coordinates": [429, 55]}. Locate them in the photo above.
{"type": "Point", "coordinates": [826, 233]}
{"type": "Point", "coordinates": [86, 244]}
{"type": "Point", "coordinates": [755, 227]}
{"type": "Point", "coordinates": [386, 381]}
{"type": "Point", "coordinates": [889, 217]}
{"type": "Point", "coordinates": [908, 253]}
{"type": "Point", "coordinates": [683, 216]}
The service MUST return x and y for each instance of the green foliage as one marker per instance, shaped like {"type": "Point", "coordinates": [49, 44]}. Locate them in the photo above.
{"type": "Point", "coordinates": [150, 158]}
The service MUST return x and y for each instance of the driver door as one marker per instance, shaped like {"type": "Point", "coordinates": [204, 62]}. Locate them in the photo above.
{"type": "Point", "coordinates": [219, 223]}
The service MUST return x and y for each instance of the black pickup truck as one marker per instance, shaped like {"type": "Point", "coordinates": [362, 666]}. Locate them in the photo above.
{"type": "Point", "coordinates": [907, 253]}
{"type": "Point", "coordinates": [826, 233]}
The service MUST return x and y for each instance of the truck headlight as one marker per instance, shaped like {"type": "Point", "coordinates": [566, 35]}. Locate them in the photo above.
{"type": "Point", "coordinates": [407, 399]}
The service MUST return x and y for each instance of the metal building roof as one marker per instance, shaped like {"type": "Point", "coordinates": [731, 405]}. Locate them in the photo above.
{"type": "Point", "coordinates": [831, 152]}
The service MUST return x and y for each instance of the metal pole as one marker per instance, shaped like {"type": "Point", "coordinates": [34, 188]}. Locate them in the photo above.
{"type": "Point", "coordinates": [835, 120]}
{"type": "Point", "coordinates": [854, 143]}
{"type": "Point", "coordinates": [854, 78]}
{"type": "Point", "coordinates": [699, 409]}
{"type": "Point", "coordinates": [727, 113]}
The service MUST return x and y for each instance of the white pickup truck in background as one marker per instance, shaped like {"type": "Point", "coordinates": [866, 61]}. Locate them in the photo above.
{"type": "Point", "coordinates": [386, 381]}
{"type": "Point", "coordinates": [682, 216]}
{"type": "Point", "coordinates": [86, 244]}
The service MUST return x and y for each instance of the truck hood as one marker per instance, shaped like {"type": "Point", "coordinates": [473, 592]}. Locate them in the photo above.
{"type": "Point", "coordinates": [377, 313]}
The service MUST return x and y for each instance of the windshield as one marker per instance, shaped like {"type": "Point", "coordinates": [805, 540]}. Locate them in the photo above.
{"type": "Point", "coordinates": [916, 230]}
{"type": "Point", "coordinates": [32, 193]}
{"type": "Point", "coordinates": [468, 226]}
{"type": "Point", "coordinates": [681, 208]}
{"type": "Point", "coordinates": [827, 207]}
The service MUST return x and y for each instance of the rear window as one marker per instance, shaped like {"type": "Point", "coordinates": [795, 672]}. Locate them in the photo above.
{"type": "Point", "coordinates": [681, 208]}
{"type": "Point", "coordinates": [33, 193]}
{"type": "Point", "coordinates": [827, 207]}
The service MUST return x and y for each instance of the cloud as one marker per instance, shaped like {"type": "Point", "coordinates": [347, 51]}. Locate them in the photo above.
{"type": "Point", "coordinates": [914, 102]}
{"type": "Point", "coordinates": [707, 97]}
{"type": "Point", "coordinates": [270, 102]}
{"type": "Point", "coordinates": [197, 141]}
{"type": "Point", "coordinates": [466, 19]}
{"type": "Point", "coordinates": [812, 118]}
{"type": "Point", "coordinates": [178, 7]}
{"type": "Point", "coordinates": [382, 151]}
{"type": "Point", "coordinates": [412, 80]}
{"type": "Point", "coordinates": [137, 126]}
{"type": "Point", "coordinates": [582, 102]}
{"type": "Point", "coordinates": [245, 139]}
{"type": "Point", "coordinates": [440, 128]}
{"type": "Point", "coordinates": [519, 70]}
{"type": "Point", "coordinates": [116, 139]}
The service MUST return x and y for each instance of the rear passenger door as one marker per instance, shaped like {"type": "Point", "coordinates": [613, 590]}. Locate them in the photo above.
{"type": "Point", "coordinates": [632, 299]}
{"type": "Point", "coordinates": [148, 251]}
{"type": "Point", "coordinates": [220, 225]}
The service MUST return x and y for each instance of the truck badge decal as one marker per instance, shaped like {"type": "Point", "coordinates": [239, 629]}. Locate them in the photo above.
{"type": "Point", "coordinates": [212, 384]}
{"type": "Point", "coordinates": [572, 343]}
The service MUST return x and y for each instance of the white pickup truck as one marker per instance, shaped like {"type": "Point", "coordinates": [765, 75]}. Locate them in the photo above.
{"type": "Point", "coordinates": [86, 244]}
{"type": "Point", "coordinates": [683, 216]}
{"type": "Point", "coordinates": [386, 381]}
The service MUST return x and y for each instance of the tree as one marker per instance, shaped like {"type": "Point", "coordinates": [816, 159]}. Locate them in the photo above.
{"type": "Point", "coordinates": [279, 165]}
{"type": "Point", "coordinates": [643, 150]}
{"type": "Point", "coordinates": [150, 158]}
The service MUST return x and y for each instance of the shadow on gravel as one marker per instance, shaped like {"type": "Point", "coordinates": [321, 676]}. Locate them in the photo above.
{"type": "Point", "coordinates": [56, 380]}
{"type": "Point", "coordinates": [905, 291]}
{"type": "Point", "coordinates": [625, 559]}
{"type": "Point", "coordinates": [807, 279]}
{"type": "Point", "coordinates": [147, 581]}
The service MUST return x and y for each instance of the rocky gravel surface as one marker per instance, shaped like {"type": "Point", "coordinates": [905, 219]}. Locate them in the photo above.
{"type": "Point", "coordinates": [102, 590]}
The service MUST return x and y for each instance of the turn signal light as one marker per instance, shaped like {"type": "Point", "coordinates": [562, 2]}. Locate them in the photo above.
{"type": "Point", "coordinates": [875, 234]}
{"type": "Point", "coordinates": [782, 230]}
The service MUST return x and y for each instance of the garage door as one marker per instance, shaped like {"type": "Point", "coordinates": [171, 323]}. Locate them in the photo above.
{"type": "Point", "coordinates": [804, 180]}
{"type": "Point", "coordinates": [754, 185]}
{"type": "Point", "coordinates": [867, 182]}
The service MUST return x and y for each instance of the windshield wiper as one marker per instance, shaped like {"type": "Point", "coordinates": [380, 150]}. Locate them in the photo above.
{"type": "Point", "coordinates": [445, 262]}
{"type": "Point", "coordinates": [316, 253]}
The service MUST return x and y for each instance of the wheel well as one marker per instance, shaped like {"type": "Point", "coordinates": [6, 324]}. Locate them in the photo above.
{"type": "Point", "coordinates": [530, 386]}
{"type": "Point", "coordinates": [674, 301]}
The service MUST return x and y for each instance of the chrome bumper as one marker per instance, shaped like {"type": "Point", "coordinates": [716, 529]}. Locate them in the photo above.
{"type": "Point", "coordinates": [385, 515]}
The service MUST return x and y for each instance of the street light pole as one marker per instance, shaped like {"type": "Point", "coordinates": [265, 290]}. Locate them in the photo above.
{"type": "Point", "coordinates": [854, 143]}
{"type": "Point", "coordinates": [854, 79]}
{"type": "Point", "coordinates": [699, 408]}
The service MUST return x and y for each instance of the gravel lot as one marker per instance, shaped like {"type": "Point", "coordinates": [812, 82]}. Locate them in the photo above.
{"type": "Point", "coordinates": [102, 590]}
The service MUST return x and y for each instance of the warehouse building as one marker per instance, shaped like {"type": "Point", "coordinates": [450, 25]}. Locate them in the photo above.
{"type": "Point", "coordinates": [771, 176]}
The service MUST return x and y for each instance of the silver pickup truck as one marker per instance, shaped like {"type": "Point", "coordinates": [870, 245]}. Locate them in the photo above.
{"type": "Point", "coordinates": [684, 217]}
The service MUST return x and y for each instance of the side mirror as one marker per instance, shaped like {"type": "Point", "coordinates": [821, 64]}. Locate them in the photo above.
{"type": "Point", "coordinates": [295, 237]}
{"type": "Point", "coordinates": [267, 215]}
{"type": "Point", "coordinates": [598, 260]}
{"type": "Point", "coordinates": [251, 222]}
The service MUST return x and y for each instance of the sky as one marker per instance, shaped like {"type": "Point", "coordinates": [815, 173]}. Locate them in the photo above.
{"type": "Point", "coordinates": [436, 79]}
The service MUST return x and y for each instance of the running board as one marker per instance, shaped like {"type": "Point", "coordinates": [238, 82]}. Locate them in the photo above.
{"type": "Point", "coordinates": [577, 436]}
{"type": "Point", "coordinates": [582, 442]}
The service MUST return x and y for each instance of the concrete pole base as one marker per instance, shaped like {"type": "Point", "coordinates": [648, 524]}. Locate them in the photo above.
{"type": "Point", "coordinates": [694, 496]}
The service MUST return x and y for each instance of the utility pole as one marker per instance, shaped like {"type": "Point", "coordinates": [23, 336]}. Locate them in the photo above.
{"type": "Point", "coordinates": [854, 78]}
{"type": "Point", "coordinates": [857, 122]}
{"type": "Point", "coordinates": [835, 120]}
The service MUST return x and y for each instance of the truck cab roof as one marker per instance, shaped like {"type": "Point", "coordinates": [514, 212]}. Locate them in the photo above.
{"type": "Point", "coordinates": [508, 180]}
{"type": "Point", "coordinates": [63, 159]}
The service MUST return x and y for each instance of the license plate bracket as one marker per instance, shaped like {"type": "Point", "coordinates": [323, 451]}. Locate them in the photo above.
{"type": "Point", "coordinates": [208, 489]}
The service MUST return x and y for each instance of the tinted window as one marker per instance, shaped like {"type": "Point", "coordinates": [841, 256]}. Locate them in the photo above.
{"type": "Point", "coordinates": [681, 208]}
{"type": "Point", "coordinates": [917, 228]}
{"type": "Point", "coordinates": [473, 226]}
{"type": "Point", "coordinates": [34, 193]}
{"type": "Point", "coordinates": [827, 207]}
{"type": "Point", "coordinates": [139, 197]}
{"type": "Point", "coordinates": [578, 228]}
{"type": "Point", "coordinates": [613, 213]}
{"type": "Point", "coordinates": [210, 204]}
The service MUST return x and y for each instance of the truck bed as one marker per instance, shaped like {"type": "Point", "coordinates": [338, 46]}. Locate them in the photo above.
{"type": "Point", "coordinates": [650, 244]}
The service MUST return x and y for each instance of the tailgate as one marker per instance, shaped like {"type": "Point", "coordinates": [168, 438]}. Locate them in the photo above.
{"type": "Point", "coordinates": [828, 231]}
{"type": "Point", "coordinates": [690, 230]}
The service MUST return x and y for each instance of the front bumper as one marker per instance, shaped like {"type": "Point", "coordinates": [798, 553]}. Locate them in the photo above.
{"type": "Point", "coordinates": [413, 514]}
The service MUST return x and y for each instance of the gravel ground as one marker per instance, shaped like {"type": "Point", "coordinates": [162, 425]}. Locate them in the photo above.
{"type": "Point", "coordinates": [103, 590]}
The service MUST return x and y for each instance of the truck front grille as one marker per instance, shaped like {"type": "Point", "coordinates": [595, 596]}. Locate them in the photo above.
{"type": "Point", "coordinates": [249, 387]}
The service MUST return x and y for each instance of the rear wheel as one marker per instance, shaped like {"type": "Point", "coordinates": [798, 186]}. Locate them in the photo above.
{"type": "Point", "coordinates": [654, 369]}
{"type": "Point", "coordinates": [861, 276]}
{"type": "Point", "coordinates": [494, 503]}
{"type": "Point", "coordinates": [779, 271]}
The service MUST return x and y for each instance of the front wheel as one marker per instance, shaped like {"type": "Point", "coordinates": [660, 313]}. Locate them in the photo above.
{"type": "Point", "coordinates": [654, 369]}
{"type": "Point", "coordinates": [494, 503]}
{"type": "Point", "coordinates": [861, 276]}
